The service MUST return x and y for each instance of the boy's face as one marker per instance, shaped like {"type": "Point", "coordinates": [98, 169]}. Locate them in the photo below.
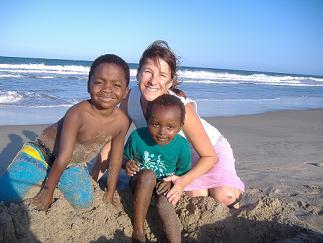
{"type": "Point", "coordinates": [164, 123]}
{"type": "Point", "coordinates": [108, 86]}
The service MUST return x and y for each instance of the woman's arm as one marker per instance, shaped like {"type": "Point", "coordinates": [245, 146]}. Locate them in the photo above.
{"type": "Point", "coordinates": [124, 107]}
{"type": "Point", "coordinates": [200, 141]}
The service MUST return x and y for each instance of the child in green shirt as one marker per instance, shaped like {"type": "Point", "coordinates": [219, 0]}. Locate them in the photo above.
{"type": "Point", "coordinates": [153, 153]}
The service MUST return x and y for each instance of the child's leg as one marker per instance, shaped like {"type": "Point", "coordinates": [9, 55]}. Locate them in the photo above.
{"type": "Point", "coordinates": [143, 185]}
{"type": "Point", "coordinates": [170, 221]}
{"type": "Point", "coordinates": [75, 184]}
{"type": "Point", "coordinates": [26, 170]}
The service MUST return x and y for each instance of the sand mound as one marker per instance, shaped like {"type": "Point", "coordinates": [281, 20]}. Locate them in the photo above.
{"type": "Point", "coordinates": [203, 220]}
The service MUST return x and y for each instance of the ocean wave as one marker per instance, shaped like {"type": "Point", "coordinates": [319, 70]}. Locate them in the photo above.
{"type": "Point", "coordinates": [195, 75]}
{"type": "Point", "coordinates": [42, 66]}
{"type": "Point", "coordinates": [35, 99]}
{"type": "Point", "coordinates": [249, 82]}
{"type": "Point", "coordinates": [235, 100]}
{"type": "Point", "coordinates": [10, 75]}
{"type": "Point", "coordinates": [232, 78]}
{"type": "Point", "coordinates": [40, 106]}
{"type": "Point", "coordinates": [7, 97]}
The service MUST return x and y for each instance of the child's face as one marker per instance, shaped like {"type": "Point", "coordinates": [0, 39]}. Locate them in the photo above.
{"type": "Point", "coordinates": [154, 78]}
{"type": "Point", "coordinates": [108, 86]}
{"type": "Point", "coordinates": [164, 123]}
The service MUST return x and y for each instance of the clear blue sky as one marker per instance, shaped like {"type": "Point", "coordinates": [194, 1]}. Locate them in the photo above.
{"type": "Point", "coordinates": [273, 35]}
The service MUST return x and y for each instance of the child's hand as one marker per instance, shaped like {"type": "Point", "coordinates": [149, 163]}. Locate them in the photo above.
{"type": "Point", "coordinates": [163, 187]}
{"type": "Point", "coordinates": [108, 198]}
{"type": "Point", "coordinates": [42, 200]}
{"type": "Point", "coordinates": [131, 167]}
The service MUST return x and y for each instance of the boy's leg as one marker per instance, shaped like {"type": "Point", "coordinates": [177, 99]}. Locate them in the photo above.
{"type": "Point", "coordinates": [75, 184]}
{"type": "Point", "coordinates": [169, 219]}
{"type": "Point", "coordinates": [26, 170]}
{"type": "Point", "coordinates": [143, 185]}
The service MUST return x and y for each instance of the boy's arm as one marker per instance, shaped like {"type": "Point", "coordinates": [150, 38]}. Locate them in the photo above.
{"type": "Point", "coordinates": [117, 144]}
{"type": "Point", "coordinates": [71, 125]}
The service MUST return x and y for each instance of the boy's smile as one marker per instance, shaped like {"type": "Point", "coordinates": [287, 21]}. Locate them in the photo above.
{"type": "Point", "coordinates": [164, 123]}
{"type": "Point", "coordinates": [108, 86]}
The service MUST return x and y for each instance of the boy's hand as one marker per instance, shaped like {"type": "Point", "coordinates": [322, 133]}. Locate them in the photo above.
{"type": "Point", "coordinates": [163, 187]}
{"type": "Point", "coordinates": [108, 198]}
{"type": "Point", "coordinates": [131, 167]}
{"type": "Point", "coordinates": [42, 200]}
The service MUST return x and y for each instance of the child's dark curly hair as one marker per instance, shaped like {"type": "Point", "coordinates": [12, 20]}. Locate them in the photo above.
{"type": "Point", "coordinates": [167, 100]}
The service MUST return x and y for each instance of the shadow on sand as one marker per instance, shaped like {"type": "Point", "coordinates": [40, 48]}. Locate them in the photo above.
{"type": "Point", "coordinates": [14, 219]}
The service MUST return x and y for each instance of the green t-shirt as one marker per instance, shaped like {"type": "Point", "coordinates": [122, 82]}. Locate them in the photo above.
{"type": "Point", "coordinates": [165, 160]}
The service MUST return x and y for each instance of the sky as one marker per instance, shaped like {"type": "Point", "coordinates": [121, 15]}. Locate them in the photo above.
{"type": "Point", "coordinates": [275, 35]}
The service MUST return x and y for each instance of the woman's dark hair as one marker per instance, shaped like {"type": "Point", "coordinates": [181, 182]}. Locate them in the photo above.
{"type": "Point", "coordinates": [167, 100]}
{"type": "Point", "coordinates": [109, 58]}
{"type": "Point", "coordinates": [160, 49]}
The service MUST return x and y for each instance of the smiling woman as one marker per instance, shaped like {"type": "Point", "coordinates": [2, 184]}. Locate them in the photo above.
{"type": "Point", "coordinates": [213, 171]}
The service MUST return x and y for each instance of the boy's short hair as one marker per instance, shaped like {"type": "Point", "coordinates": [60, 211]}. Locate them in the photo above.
{"type": "Point", "coordinates": [109, 58]}
{"type": "Point", "coordinates": [167, 100]}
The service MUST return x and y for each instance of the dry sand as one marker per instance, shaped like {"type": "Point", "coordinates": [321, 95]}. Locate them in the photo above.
{"type": "Point", "coordinates": [279, 156]}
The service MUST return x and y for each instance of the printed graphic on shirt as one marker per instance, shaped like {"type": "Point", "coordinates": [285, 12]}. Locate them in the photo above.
{"type": "Point", "coordinates": [154, 163]}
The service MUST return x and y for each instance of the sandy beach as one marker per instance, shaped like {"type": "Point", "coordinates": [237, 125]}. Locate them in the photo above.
{"type": "Point", "coordinates": [279, 156]}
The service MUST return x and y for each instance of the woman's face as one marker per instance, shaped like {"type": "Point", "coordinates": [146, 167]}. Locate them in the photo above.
{"type": "Point", "coordinates": [154, 78]}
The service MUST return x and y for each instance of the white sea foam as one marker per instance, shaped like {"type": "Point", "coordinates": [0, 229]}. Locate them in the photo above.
{"type": "Point", "coordinates": [232, 78]}
{"type": "Point", "coordinates": [42, 68]}
{"type": "Point", "coordinates": [235, 100]}
{"type": "Point", "coordinates": [10, 75]}
{"type": "Point", "coordinates": [7, 97]}
{"type": "Point", "coordinates": [188, 76]}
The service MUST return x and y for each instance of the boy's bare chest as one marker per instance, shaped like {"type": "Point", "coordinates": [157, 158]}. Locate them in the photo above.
{"type": "Point", "coordinates": [94, 135]}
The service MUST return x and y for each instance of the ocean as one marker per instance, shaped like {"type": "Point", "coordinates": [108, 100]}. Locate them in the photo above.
{"type": "Point", "coordinates": [39, 91]}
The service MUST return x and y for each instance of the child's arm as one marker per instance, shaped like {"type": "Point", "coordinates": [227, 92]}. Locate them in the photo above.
{"type": "Point", "coordinates": [71, 125]}
{"type": "Point", "coordinates": [130, 165]}
{"type": "Point", "coordinates": [117, 144]}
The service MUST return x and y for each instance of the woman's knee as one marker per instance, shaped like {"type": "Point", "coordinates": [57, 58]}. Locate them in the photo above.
{"type": "Point", "coordinates": [225, 195]}
{"type": "Point", "coordinates": [197, 193]}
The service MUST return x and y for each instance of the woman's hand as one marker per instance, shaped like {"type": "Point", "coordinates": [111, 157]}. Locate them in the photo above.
{"type": "Point", "coordinates": [42, 200]}
{"type": "Point", "coordinates": [177, 190]}
{"type": "Point", "coordinates": [132, 168]}
{"type": "Point", "coordinates": [163, 187]}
